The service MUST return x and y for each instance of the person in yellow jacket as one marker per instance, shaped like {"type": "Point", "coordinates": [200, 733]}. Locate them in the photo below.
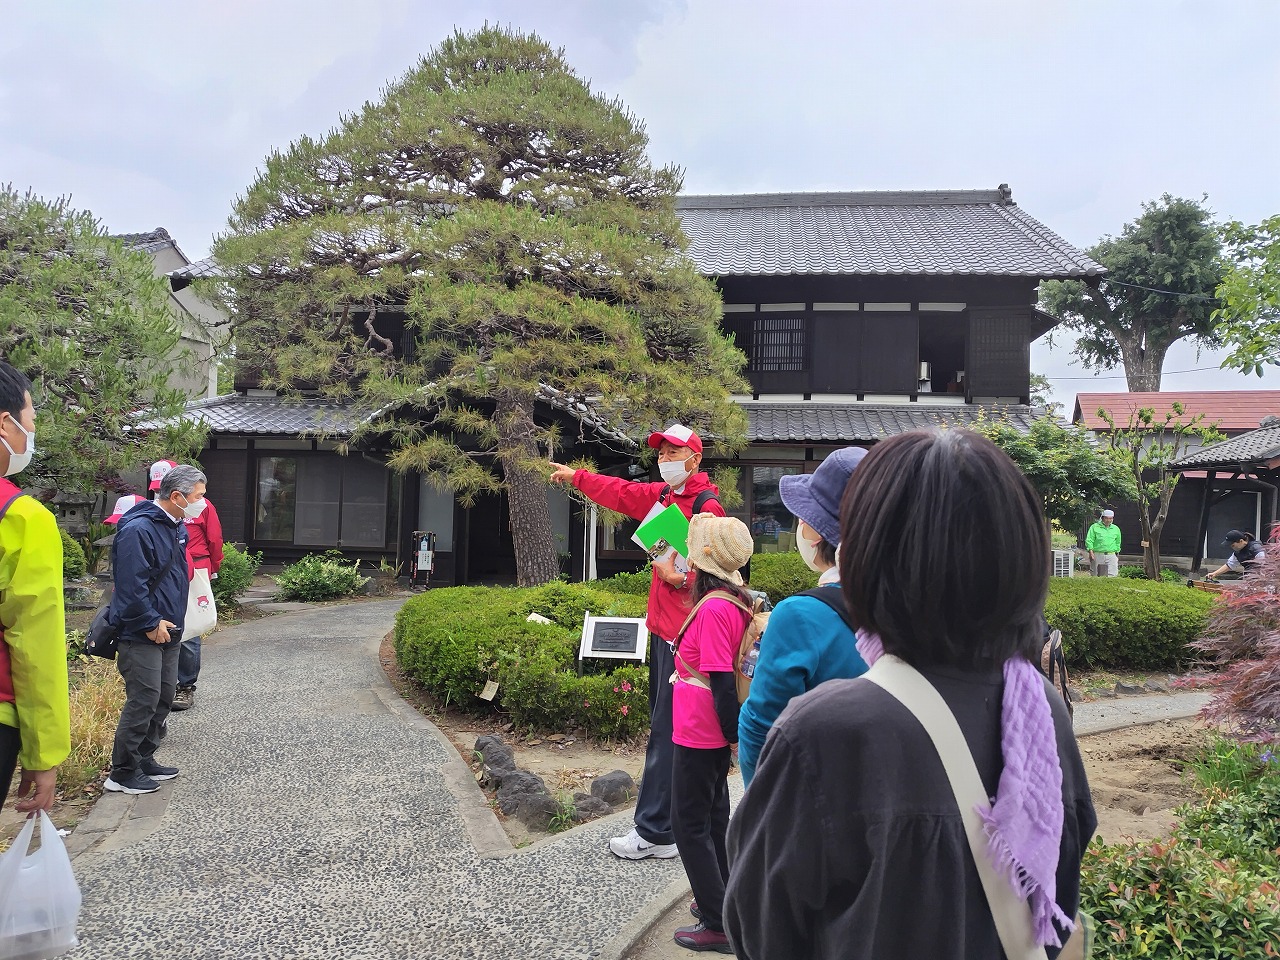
{"type": "Point", "coordinates": [35, 724]}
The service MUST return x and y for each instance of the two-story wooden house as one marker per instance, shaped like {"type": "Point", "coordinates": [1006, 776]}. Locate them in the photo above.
{"type": "Point", "coordinates": [862, 315]}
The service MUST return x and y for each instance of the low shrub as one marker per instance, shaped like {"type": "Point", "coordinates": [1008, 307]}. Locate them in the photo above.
{"type": "Point", "coordinates": [1112, 622]}
{"type": "Point", "coordinates": [234, 575]}
{"type": "Point", "coordinates": [1208, 891]}
{"type": "Point", "coordinates": [1174, 899]}
{"type": "Point", "coordinates": [636, 584]}
{"type": "Point", "coordinates": [1134, 571]}
{"type": "Point", "coordinates": [73, 562]}
{"type": "Point", "coordinates": [780, 575]}
{"type": "Point", "coordinates": [97, 697]}
{"type": "Point", "coordinates": [319, 578]}
{"type": "Point", "coordinates": [455, 639]}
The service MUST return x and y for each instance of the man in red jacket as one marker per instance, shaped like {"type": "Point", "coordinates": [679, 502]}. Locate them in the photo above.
{"type": "Point", "coordinates": [204, 552]}
{"type": "Point", "coordinates": [679, 456]}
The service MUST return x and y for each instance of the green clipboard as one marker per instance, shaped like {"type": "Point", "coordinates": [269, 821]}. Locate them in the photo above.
{"type": "Point", "coordinates": [662, 530]}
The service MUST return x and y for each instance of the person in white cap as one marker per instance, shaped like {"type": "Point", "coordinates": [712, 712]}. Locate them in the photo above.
{"type": "Point", "coordinates": [1103, 544]}
{"type": "Point", "coordinates": [123, 505]}
{"type": "Point", "coordinates": [679, 456]}
{"type": "Point", "coordinates": [157, 473]}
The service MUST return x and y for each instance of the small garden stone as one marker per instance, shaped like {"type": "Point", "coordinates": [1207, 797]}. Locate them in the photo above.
{"type": "Point", "coordinates": [519, 787]}
{"type": "Point", "coordinates": [586, 807]}
{"type": "Point", "coordinates": [614, 787]}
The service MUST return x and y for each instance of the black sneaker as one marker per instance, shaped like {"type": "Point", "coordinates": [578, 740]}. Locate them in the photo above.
{"type": "Point", "coordinates": [138, 783]}
{"type": "Point", "coordinates": [184, 699]}
{"type": "Point", "coordinates": [156, 771]}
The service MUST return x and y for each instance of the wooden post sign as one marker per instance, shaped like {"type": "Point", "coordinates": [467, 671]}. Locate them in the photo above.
{"type": "Point", "coordinates": [618, 638]}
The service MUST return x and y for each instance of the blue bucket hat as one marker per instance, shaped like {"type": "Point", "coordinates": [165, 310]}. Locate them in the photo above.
{"type": "Point", "coordinates": [815, 497]}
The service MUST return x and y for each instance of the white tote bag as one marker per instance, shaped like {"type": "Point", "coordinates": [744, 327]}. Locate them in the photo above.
{"type": "Point", "coordinates": [39, 896]}
{"type": "Point", "coordinates": [202, 612]}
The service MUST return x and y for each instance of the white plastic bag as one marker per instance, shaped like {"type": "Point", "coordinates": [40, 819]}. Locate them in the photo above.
{"type": "Point", "coordinates": [39, 896]}
{"type": "Point", "coordinates": [202, 612]}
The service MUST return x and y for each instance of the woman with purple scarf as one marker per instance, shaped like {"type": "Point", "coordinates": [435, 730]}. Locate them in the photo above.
{"type": "Point", "coordinates": [850, 842]}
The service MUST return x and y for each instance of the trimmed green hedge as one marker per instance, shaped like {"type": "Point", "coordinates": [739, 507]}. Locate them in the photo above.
{"type": "Point", "coordinates": [455, 639]}
{"type": "Point", "coordinates": [1113, 622]}
{"type": "Point", "coordinates": [780, 575]}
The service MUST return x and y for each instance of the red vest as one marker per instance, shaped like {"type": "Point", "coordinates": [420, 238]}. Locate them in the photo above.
{"type": "Point", "coordinates": [8, 494]}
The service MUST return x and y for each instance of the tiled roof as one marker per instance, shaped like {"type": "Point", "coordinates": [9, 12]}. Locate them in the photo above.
{"type": "Point", "coordinates": [148, 242]}
{"type": "Point", "coordinates": [183, 276]}
{"type": "Point", "coordinates": [1256, 447]}
{"type": "Point", "coordinates": [273, 416]}
{"type": "Point", "coordinates": [927, 232]}
{"type": "Point", "coordinates": [806, 421]}
{"type": "Point", "coordinates": [1232, 409]}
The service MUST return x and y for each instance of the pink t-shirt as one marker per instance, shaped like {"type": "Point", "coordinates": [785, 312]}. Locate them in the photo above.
{"type": "Point", "coordinates": [709, 646]}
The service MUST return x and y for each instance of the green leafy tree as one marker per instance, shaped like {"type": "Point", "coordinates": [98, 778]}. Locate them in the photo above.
{"type": "Point", "coordinates": [90, 324]}
{"type": "Point", "coordinates": [1147, 445]}
{"type": "Point", "coordinates": [1162, 272]}
{"type": "Point", "coordinates": [1069, 470]}
{"type": "Point", "coordinates": [511, 217]}
{"type": "Point", "coordinates": [1249, 314]}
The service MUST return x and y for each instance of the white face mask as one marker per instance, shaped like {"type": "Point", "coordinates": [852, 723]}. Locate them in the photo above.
{"type": "Point", "coordinates": [674, 472]}
{"type": "Point", "coordinates": [18, 461]}
{"type": "Point", "coordinates": [193, 508]}
{"type": "Point", "coordinates": [808, 548]}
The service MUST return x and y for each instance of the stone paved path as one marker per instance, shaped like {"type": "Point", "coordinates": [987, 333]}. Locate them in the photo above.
{"type": "Point", "coordinates": [318, 816]}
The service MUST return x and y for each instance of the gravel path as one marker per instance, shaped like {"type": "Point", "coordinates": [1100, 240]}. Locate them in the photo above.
{"type": "Point", "coordinates": [318, 816]}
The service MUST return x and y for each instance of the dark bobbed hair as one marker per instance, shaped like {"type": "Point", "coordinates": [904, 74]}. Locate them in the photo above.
{"type": "Point", "coordinates": [704, 583]}
{"type": "Point", "coordinates": [14, 387]}
{"type": "Point", "coordinates": [945, 551]}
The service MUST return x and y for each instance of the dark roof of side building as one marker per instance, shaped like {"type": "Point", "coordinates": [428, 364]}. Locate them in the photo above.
{"type": "Point", "coordinates": [916, 232]}
{"type": "Point", "coordinates": [1256, 448]}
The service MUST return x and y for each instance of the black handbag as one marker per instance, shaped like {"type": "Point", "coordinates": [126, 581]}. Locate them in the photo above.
{"type": "Point", "coordinates": [103, 637]}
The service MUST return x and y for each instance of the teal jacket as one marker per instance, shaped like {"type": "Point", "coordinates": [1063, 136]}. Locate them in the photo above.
{"type": "Point", "coordinates": [805, 644]}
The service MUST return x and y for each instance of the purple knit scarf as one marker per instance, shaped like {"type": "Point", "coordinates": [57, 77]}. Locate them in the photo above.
{"type": "Point", "coordinates": [1024, 827]}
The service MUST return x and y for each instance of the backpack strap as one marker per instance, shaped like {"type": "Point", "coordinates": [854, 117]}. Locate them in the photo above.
{"type": "Point", "coordinates": [833, 599]}
{"type": "Point", "coordinates": [702, 678]}
{"type": "Point", "coordinates": [700, 501]}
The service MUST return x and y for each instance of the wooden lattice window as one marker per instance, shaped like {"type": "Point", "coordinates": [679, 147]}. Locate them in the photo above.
{"type": "Point", "coordinates": [778, 344]}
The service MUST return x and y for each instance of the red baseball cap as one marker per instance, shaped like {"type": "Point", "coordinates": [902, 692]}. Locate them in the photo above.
{"type": "Point", "coordinates": [158, 470]}
{"type": "Point", "coordinates": [678, 434]}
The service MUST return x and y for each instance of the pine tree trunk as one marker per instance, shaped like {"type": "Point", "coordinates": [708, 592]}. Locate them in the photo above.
{"type": "Point", "coordinates": [536, 560]}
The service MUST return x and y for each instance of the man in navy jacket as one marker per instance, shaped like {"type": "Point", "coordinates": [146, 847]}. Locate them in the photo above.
{"type": "Point", "coordinates": [149, 563]}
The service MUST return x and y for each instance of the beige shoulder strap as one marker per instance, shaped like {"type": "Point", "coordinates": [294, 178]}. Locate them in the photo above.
{"type": "Point", "coordinates": [1011, 913]}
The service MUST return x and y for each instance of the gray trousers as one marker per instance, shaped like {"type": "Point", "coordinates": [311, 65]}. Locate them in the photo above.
{"type": "Point", "coordinates": [150, 673]}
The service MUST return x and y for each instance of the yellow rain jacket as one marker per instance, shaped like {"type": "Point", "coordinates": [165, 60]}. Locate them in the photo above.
{"type": "Point", "coordinates": [35, 634]}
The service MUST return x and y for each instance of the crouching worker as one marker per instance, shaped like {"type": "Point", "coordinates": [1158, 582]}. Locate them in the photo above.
{"type": "Point", "coordinates": [705, 719]}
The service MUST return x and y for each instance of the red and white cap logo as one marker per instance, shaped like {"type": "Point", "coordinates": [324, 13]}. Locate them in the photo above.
{"type": "Point", "coordinates": [678, 434]}
{"type": "Point", "coordinates": [158, 471]}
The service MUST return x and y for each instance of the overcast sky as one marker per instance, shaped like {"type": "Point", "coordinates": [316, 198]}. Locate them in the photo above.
{"type": "Point", "coordinates": [158, 114]}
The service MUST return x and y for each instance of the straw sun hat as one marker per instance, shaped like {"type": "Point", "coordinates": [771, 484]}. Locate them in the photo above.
{"type": "Point", "coordinates": [719, 545]}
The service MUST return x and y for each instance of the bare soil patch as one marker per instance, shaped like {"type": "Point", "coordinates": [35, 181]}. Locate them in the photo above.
{"type": "Point", "coordinates": [567, 761]}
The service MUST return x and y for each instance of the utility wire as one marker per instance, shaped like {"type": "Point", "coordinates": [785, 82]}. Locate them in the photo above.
{"type": "Point", "coordinates": [1172, 293]}
{"type": "Point", "coordinates": [1121, 376]}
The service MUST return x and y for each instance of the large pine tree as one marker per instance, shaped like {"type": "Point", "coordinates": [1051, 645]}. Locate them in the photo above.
{"type": "Point", "coordinates": [514, 218]}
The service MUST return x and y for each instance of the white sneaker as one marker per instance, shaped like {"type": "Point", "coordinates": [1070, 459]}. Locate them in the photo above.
{"type": "Point", "coordinates": [632, 847]}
